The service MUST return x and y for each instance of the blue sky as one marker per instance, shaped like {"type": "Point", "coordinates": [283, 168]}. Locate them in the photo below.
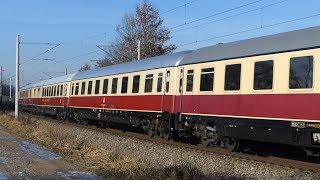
{"type": "Point", "coordinates": [80, 25]}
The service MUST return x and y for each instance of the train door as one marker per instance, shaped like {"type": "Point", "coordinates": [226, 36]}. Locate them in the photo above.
{"type": "Point", "coordinates": [166, 104]}
{"type": "Point", "coordinates": [62, 95]}
{"type": "Point", "coordinates": [180, 93]}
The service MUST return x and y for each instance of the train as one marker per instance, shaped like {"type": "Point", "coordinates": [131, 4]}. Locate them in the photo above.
{"type": "Point", "coordinates": [264, 89]}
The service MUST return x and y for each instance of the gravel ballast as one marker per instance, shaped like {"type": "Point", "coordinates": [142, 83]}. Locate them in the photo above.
{"type": "Point", "coordinates": [108, 154]}
{"type": "Point", "coordinates": [161, 155]}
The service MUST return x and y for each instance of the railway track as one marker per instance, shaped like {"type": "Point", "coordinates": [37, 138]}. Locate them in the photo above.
{"type": "Point", "coordinates": [280, 161]}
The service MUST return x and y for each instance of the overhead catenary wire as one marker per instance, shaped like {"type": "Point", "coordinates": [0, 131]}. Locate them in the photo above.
{"type": "Point", "coordinates": [216, 14]}
{"type": "Point", "coordinates": [252, 29]}
{"type": "Point", "coordinates": [228, 17]}
{"type": "Point", "coordinates": [45, 52]}
{"type": "Point", "coordinates": [177, 7]}
{"type": "Point", "coordinates": [86, 38]}
{"type": "Point", "coordinates": [72, 58]}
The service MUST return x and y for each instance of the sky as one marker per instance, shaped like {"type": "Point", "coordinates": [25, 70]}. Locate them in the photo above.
{"type": "Point", "coordinates": [80, 25]}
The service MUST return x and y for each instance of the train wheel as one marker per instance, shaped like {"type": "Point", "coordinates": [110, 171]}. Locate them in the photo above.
{"type": "Point", "coordinates": [77, 118]}
{"type": "Point", "coordinates": [151, 133]}
{"type": "Point", "coordinates": [60, 116]}
{"type": "Point", "coordinates": [232, 144]}
{"type": "Point", "coordinates": [84, 122]}
{"type": "Point", "coordinates": [150, 130]}
{"type": "Point", "coordinates": [211, 145]}
{"type": "Point", "coordinates": [165, 134]}
{"type": "Point", "coordinates": [204, 142]}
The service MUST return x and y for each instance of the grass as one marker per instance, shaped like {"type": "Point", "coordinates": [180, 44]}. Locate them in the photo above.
{"type": "Point", "coordinates": [107, 163]}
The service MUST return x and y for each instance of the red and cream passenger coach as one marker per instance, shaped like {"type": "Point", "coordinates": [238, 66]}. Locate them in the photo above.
{"type": "Point", "coordinates": [262, 89]}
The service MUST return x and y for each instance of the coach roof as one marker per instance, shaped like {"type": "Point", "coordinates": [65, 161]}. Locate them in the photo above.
{"type": "Point", "coordinates": [55, 80]}
{"type": "Point", "coordinates": [283, 42]}
{"type": "Point", "coordinates": [168, 60]}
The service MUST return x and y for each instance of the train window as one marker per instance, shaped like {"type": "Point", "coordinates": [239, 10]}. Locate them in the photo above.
{"type": "Point", "coordinates": [83, 87]}
{"type": "Point", "coordinates": [97, 87]}
{"type": "Point", "coordinates": [301, 72]}
{"type": "Point", "coordinates": [168, 81]}
{"type": "Point", "coordinates": [53, 90]}
{"type": "Point", "coordinates": [66, 89]}
{"type": "Point", "coordinates": [72, 89]}
{"type": "Point", "coordinates": [76, 91]}
{"type": "Point", "coordinates": [148, 83]}
{"type": "Point", "coordinates": [124, 85]}
{"type": "Point", "coordinates": [114, 85]}
{"type": "Point", "coordinates": [207, 78]}
{"type": "Point", "coordinates": [232, 77]}
{"type": "Point", "coordinates": [136, 84]}
{"type": "Point", "coordinates": [189, 81]}
{"type": "Point", "coordinates": [61, 89]}
{"type": "Point", "coordinates": [159, 86]}
{"type": "Point", "coordinates": [263, 75]}
{"type": "Point", "coordinates": [90, 87]}
{"type": "Point", "coordinates": [58, 91]}
{"type": "Point", "coordinates": [105, 86]}
{"type": "Point", "coordinates": [180, 80]}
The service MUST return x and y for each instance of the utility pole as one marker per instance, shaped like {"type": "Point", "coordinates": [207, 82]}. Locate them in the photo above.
{"type": "Point", "coordinates": [10, 88]}
{"type": "Point", "coordinates": [1, 85]}
{"type": "Point", "coordinates": [139, 44]}
{"type": "Point", "coordinates": [18, 43]}
{"type": "Point", "coordinates": [16, 112]}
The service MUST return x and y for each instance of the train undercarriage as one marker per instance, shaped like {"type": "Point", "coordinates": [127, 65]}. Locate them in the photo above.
{"type": "Point", "coordinates": [210, 132]}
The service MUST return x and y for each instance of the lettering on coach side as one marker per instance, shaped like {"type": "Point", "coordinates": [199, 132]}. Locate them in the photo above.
{"type": "Point", "coordinates": [298, 124]}
{"type": "Point", "coordinates": [313, 125]}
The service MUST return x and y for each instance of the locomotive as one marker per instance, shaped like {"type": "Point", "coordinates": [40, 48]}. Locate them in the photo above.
{"type": "Point", "coordinates": [264, 89]}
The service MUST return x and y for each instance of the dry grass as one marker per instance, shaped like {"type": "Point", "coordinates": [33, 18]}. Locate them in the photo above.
{"type": "Point", "coordinates": [106, 163]}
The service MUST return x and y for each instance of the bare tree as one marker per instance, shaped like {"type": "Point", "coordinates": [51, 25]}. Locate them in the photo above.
{"type": "Point", "coordinates": [145, 25]}
{"type": "Point", "coordinates": [103, 63]}
{"type": "Point", "coordinates": [85, 67]}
